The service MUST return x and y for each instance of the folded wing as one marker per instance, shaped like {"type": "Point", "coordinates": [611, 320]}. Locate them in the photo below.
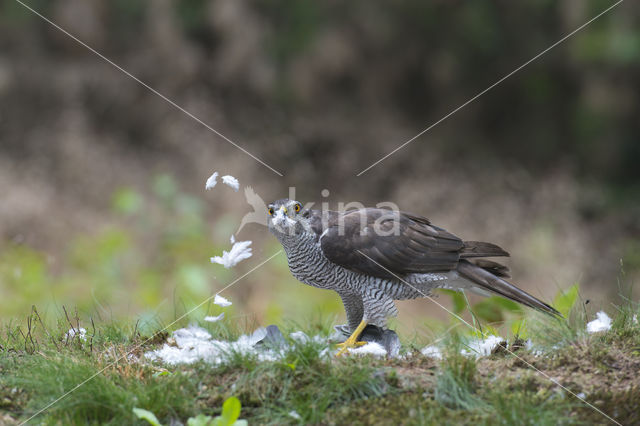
{"type": "Point", "coordinates": [384, 243]}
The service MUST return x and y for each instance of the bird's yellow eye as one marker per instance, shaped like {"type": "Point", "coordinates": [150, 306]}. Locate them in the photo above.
{"type": "Point", "coordinates": [270, 211]}
{"type": "Point", "coordinates": [296, 208]}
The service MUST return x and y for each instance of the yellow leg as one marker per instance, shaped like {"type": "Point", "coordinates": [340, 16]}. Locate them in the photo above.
{"type": "Point", "coordinates": [352, 341]}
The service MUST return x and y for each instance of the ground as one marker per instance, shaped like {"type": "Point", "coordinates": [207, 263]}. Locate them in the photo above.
{"type": "Point", "coordinates": [40, 365]}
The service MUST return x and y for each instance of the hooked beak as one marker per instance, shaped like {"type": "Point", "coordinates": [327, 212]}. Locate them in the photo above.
{"type": "Point", "coordinates": [280, 217]}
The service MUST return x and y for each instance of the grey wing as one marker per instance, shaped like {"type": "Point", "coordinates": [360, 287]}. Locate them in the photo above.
{"type": "Point", "coordinates": [384, 243]}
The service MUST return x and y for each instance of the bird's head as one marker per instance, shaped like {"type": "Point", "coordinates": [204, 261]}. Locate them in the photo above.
{"type": "Point", "coordinates": [288, 217]}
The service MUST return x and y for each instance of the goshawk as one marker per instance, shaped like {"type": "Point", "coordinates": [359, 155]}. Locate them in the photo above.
{"type": "Point", "coordinates": [373, 256]}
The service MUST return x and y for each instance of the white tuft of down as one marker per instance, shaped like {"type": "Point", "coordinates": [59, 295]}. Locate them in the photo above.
{"type": "Point", "coordinates": [80, 332]}
{"type": "Point", "coordinates": [483, 347]}
{"type": "Point", "coordinates": [474, 348]}
{"type": "Point", "coordinates": [371, 348]}
{"type": "Point", "coordinates": [214, 319]}
{"type": "Point", "coordinates": [239, 251]}
{"type": "Point", "coordinates": [294, 414]}
{"type": "Point", "coordinates": [192, 344]}
{"type": "Point", "coordinates": [432, 351]}
{"type": "Point", "coordinates": [231, 182]}
{"type": "Point", "coordinates": [601, 323]}
{"type": "Point", "coordinates": [212, 181]}
{"type": "Point", "coordinates": [221, 301]}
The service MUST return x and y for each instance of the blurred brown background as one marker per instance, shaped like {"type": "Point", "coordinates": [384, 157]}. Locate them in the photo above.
{"type": "Point", "coordinates": [102, 202]}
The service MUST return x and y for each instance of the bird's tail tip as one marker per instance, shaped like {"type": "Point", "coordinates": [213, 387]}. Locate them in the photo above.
{"type": "Point", "coordinates": [486, 280]}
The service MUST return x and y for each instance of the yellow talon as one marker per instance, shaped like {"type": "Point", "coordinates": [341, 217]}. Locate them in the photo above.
{"type": "Point", "coordinates": [352, 341]}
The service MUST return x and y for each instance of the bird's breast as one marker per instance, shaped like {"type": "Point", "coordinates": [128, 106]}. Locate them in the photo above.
{"type": "Point", "coordinates": [309, 265]}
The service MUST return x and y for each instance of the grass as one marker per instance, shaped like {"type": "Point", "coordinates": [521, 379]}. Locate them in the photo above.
{"type": "Point", "coordinates": [37, 365]}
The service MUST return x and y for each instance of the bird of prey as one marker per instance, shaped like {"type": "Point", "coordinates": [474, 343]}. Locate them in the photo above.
{"type": "Point", "coordinates": [373, 256]}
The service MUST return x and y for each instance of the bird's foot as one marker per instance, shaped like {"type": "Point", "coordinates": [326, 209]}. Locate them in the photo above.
{"type": "Point", "coordinates": [352, 341]}
{"type": "Point", "coordinates": [349, 344]}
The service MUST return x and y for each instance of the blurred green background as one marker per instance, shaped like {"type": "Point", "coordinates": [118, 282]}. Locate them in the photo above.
{"type": "Point", "coordinates": [102, 204]}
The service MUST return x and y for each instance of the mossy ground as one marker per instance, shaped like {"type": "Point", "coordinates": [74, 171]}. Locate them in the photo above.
{"type": "Point", "coordinates": [37, 367]}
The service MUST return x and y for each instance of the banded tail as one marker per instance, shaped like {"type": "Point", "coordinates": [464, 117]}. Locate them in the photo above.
{"type": "Point", "coordinates": [488, 275]}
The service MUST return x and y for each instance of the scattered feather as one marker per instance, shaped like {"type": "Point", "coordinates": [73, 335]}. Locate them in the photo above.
{"type": "Point", "coordinates": [482, 347]}
{"type": "Point", "coordinates": [232, 239]}
{"type": "Point", "coordinates": [194, 344]}
{"type": "Point", "coordinates": [221, 301]}
{"type": "Point", "coordinates": [212, 181]}
{"type": "Point", "coordinates": [294, 414]}
{"type": "Point", "coordinates": [601, 323]}
{"type": "Point", "coordinates": [371, 348]}
{"type": "Point", "coordinates": [239, 251]}
{"type": "Point", "coordinates": [432, 351]}
{"type": "Point", "coordinates": [299, 336]}
{"type": "Point", "coordinates": [231, 182]}
{"type": "Point", "coordinates": [533, 349]}
{"type": "Point", "coordinates": [215, 319]}
{"type": "Point", "coordinates": [302, 337]}
{"type": "Point", "coordinates": [475, 348]}
{"type": "Point", "coordinates": [81, 333]}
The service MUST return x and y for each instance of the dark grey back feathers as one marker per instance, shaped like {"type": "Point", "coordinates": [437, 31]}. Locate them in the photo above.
{"type": "Point", "coordinates": [358, 241]}
{"type": "Point", "coordinates": [417, 246]}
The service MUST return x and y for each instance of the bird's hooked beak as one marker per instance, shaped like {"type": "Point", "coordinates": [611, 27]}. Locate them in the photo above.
{"type": "Point", "coordinates": [281, 218]}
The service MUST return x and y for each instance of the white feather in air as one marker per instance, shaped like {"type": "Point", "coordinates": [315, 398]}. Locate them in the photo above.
{"type": "Point", "coordinates": [231, 181]}
{"type": "Point", "coordinates": [238, 253]}
{"type": "Point", "coordinates": [221, 301]}
{"type": "Point", "coordinates": [212, 181]}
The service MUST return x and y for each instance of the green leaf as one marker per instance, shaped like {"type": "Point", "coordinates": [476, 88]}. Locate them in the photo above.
{"type": "Point", "coordinates": [488, 310]}
{"type": "Point", "coordinates": [200, 420]}
{"type": "Point", "coordinates": [565, 300]}
{"type": "Point", "coordinates": [507, 304]}
{"type": "Point", "coordinates": [147, 415]}
{"type": "Point", "coordinates": [458, 299]}
{"type": "Point", "coordinates": [231, 410]}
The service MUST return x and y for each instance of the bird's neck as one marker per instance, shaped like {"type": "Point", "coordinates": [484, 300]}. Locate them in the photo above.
{"type": "Point", "coordinates": [294, 243]}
